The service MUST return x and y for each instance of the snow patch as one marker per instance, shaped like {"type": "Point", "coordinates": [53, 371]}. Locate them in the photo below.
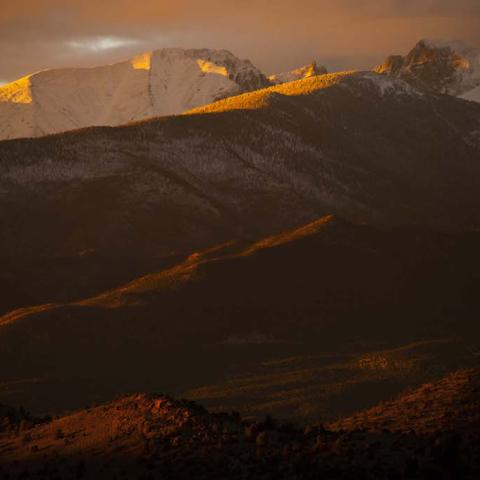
{"type": "Point", "coordinates": [388, 85]}
{"type": "Point", "coordinates": [472, 95]}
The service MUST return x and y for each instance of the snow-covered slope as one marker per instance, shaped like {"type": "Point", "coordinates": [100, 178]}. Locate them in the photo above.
{"type": "Point", "coordinates": [437, 66]}
{"type": "Point", "coordinates": [162, 82]}
{"type": "Point", "coordinates": [472, 95]}
{"type": "Point", "coordinates": [302, 72]}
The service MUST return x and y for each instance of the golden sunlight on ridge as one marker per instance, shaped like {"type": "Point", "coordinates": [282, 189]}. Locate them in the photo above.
{"type": "Point", "coordinates": [19, 91]}
{"type": "Point", "coordinates": [209, 67]}
{"type": "Point", "coordinates": [259, 99]}
{"type": "Point", "coordinates": [289, 236]}
{"type": "Point", "coordinates": [19, 313]}
{"type": "Point", "coordinates": [142, 62]}
{"type": "Point", "coordinates": [172, 278]}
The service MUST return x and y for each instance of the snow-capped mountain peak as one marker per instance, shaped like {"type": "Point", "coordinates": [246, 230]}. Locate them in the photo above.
{"type": "Point", "coordinates": [162, 82]}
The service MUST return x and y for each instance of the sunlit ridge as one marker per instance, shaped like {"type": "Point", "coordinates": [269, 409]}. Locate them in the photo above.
{"type": "Point", "coordinates": [19, 91]}
{"type": "Point", "coordinates": [259, 99]}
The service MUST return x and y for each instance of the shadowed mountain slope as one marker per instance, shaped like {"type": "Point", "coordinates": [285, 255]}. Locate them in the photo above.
{"type": "Point", "coordinates": [320, 288]}
{"type": "Point", "coordinates": [323, 385]}
{"type": "Point", "coordinates": [365, 147]}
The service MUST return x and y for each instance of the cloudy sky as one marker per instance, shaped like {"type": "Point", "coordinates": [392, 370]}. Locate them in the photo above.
{"type": "Point", "coordinates": [276, 35]}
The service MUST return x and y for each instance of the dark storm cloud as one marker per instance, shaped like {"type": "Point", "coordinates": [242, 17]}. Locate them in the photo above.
{"type": "Point", "coordinates": [274, 34]}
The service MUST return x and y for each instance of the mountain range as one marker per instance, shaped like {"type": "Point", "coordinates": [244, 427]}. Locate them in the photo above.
{"type": "Point", "coordinates": [173, 80]}
{"type": "Point", "coordinates": [162, 82]}
{"type": "Point", "coordinates": [245, 167]}
{"type": "Point", "coordinates": [302, 245]}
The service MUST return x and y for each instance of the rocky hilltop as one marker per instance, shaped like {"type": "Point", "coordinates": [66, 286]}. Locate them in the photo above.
{"type": "Point", "coordinates": [150, 436]}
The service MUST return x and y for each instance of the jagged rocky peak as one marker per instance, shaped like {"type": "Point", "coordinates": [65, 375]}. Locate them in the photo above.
{"type": "Point", "coordinates": [437, 67]}
{"type": "Point", "coordinates": [307, 71]}
{"type": "Point", "coordinates": [392, 65]}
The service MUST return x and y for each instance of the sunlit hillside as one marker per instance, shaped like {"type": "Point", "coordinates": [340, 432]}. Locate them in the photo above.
{"type": "Point", "coordinates": [261, 98]}
{"type": "Point", "coordinates": [149, 436]}
{"type": "Point", "coordinates": [453, 403]}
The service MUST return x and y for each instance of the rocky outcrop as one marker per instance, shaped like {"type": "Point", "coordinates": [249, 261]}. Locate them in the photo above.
{"type": "Point", "coordinates": [437, 67]}
{"type": "Point", "coordinates": [307, 71]}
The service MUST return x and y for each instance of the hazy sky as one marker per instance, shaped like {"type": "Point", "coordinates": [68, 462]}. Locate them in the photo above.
{"type": "Point", "coordinates": [276, 35]}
